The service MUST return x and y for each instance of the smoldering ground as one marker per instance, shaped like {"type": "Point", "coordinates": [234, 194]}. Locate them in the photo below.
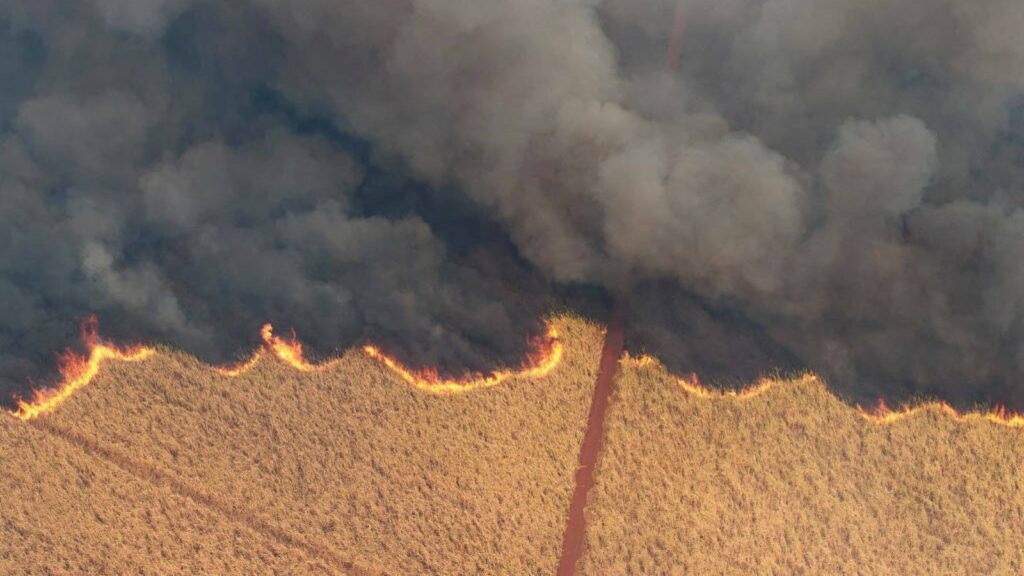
{"type": "Point", "coordinates": [819, 184]}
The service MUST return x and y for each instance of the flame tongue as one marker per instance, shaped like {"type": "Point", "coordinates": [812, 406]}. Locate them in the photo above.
{"type": "Point", "coordinates": [77, 371]}
{"type": "Point", "coordinates": [288, 351]}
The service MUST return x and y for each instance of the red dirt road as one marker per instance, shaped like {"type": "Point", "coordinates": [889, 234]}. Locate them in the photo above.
{"type": "Point", "coordinates": [575, 528]}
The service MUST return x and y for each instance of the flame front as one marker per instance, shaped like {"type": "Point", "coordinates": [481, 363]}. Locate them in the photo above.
{"type": "Point", "coordinates": [692, 386]}
{"type": "Point", "coordinates": [234, 370]}
{"type": "Point", "coordinates": [999, 415]}
{"type": "Point", "coordinates": [880, 415]}
{"type": "Point", "coordinates": [78, 371]}
{"type": "Point", "coordinates": [547, 355]}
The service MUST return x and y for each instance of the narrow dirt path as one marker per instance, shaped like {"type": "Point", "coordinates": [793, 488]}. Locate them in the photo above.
{"type": "Point", "coordinates": [593, 438]}
{"type": "Point", "coordinates": [151, 475]}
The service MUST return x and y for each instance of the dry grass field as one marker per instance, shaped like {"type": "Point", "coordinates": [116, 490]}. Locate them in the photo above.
{"type": "Point", "coordinates": [793, 481]}
{"type": "Point", "coordinates": [168, 466]}
{"type": "Point", "coordinates": [66, 511]}
{"type": "Point", "coordinates": [349, 467]}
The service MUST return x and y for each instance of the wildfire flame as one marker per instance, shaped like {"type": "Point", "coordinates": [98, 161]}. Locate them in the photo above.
{"type": "Point", "coordinates": [630, 361]}
{"type": "Point", "coordinates": [77, 371]}
{"type": "Point", "coordinates": [547, 354]}
{"type": "Point", "coordinates": [544, 359]}
{"type": "Point", "coordinates": [998, 415]}
{"type": "Point", "coordinates": [880, 415]}
{"type": "Point", "coordinates": [693, 387]}
{"type": "Point", "coordinates": [234, 370]}
{"type": "Point", "coordinates": [288, 351]}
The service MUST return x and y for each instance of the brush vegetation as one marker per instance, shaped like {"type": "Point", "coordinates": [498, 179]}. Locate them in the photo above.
{"type": "Point", "coordinates": [347, 464]}
{"type": "Point", "coordinates": [794, 481]}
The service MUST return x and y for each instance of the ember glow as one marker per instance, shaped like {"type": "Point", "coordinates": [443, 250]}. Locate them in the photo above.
{"type": "Point", "coordinates": [77, 371]}
{"type": "Point", "coordinates": [547, 354]}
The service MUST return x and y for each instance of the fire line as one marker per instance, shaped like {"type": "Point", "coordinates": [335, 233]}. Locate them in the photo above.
{"type": "Point", "coordinates": [78, 371]}
{"type": "Point", "coordinates": [882, 414]}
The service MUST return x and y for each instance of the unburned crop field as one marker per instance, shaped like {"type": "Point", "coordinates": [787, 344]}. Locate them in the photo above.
{"type": "Point", "coordinates": [793, 481]}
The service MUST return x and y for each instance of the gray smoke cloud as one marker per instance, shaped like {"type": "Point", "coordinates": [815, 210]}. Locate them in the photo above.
{"type": "Point", "coordinates": [149, 176]}
{"type": "Point", "coordinates": [826, 184]}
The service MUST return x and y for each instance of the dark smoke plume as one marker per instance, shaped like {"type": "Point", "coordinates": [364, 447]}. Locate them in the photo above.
{"type": "Point", "coordinates": [828, 184]}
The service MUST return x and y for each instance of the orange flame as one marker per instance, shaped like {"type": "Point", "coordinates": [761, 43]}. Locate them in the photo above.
{"type": "Point", "coordinates": [999, 415]}
{"type": "Point", "coordinates": [288, 351]}
{"type": "Point", "coordinates": [691, 384]}
{"type": "Point", "coordinates": [234, 370]}
{"type": "Point", "coordinates": [77, 371]}
{"type": "Point", "coordinates": [548, 354]}
{"type": "Point", "coordinates": [693, 387]}
{"type": "Point", "coordinates": [881, 415]}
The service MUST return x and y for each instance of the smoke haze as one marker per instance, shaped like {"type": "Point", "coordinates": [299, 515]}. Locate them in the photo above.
{"type": "Point", "coordinates": [824, 184]}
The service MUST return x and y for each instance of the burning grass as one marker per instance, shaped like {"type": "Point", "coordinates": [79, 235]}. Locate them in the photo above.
{"type": "Point", "coordinates": [348, 458]}
{"type": "Point", "coordinates": [786, 479]}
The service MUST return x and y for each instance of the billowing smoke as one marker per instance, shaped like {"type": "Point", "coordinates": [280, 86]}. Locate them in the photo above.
{"type": "Point", "coordinates": [826, 184]}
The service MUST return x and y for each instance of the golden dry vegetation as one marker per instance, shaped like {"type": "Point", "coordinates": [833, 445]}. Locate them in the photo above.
{"type": "Point", "coordinates": [167, 466]}
{"type": "Point", "coordinates": [348, 467]}
{"type": "Point", "coordinates": [793, 481]}
{"type": "Point", "coordinates": [65, 511]}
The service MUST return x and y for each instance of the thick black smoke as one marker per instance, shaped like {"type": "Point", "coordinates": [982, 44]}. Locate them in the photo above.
{"type": "Point", "coordinates": [826, 184]}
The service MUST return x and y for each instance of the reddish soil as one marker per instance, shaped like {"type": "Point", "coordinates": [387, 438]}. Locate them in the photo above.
{"type": "Point", "coordinates": [575, 528]}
